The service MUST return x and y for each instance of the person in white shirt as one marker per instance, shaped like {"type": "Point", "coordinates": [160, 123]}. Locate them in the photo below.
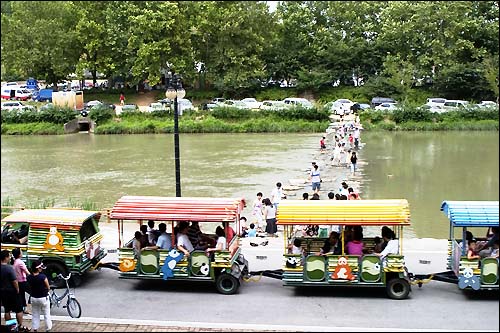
{"type": "Point", "coordinates": [392, 246]}
{"type": "Point", "coordinates": [221, 241]}
{"type": "Point", "coordinates": [183, 242]}
{"type": "Point", "coordinates": [276, 195]}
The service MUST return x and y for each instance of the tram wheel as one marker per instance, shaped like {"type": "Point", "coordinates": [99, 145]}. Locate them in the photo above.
{"type": "Point", "coordinates": [398, 288]}
{"type": "Point", "coordinates": [227, 284]}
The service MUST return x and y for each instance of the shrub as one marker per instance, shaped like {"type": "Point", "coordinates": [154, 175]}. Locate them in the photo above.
{"type": "Point", "coordinates": [231, 113]}
{"type": "Point", "coordinates": [408, 113]}
{"type": "Point", "coordinates": [302, 113]}
{"type": "Point", "coordinates": [101, 113]}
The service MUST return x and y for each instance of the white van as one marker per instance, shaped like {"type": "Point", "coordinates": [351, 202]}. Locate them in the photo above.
{"type": "Point", "coordinates": [294, 101]}
{"type": "Point", "coordinates": [15, 92]}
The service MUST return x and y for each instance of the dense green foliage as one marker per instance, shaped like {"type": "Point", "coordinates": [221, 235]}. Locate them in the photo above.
{"type": "Point", "coordinates": [235, 46]}
{"type": "Point", "coordinates": [51, 114]}
{"type": "Point", "coordinates": [101, 113]}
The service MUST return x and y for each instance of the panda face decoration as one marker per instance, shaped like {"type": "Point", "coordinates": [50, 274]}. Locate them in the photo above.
{"type": "Point", "coordinates": [291, 262]}
{"type": "Point", "coordinates": [204, 269]}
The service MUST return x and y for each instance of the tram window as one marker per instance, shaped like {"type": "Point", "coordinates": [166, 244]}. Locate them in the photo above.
{"type": "Point", "coordinates": [87, 230]}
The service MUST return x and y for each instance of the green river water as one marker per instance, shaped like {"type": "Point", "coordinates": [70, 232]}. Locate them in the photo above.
{"type": "Point", "coordinates": [423, 167]}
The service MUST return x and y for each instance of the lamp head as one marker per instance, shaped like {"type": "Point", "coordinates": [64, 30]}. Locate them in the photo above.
{"type": "Point", "coordinates": [170, 93]}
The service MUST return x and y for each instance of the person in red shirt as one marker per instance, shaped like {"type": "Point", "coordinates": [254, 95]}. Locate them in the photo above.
{"type": "Point", "coordinates": [322, 144]}
{"type": "Point", "coordinates": [229, 231]}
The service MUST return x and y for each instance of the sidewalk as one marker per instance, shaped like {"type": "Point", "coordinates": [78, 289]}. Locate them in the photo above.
{"type": "Point", "coordinates": [67, 324]}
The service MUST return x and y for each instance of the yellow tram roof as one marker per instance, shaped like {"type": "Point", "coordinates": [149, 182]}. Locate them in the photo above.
{"type": "Point", "coordinates": [47, 217]}
{"type": "Point", "coordinates": [344, 212]}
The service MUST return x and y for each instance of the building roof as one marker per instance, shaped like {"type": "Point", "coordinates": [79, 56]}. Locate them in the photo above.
{"type": "Point", "coordinates": [344, 212]}
{"type": "Point", "coordinates": [177, 208]}
{"type": "Point", "coordinates": [48, 217]}
{"type": "Point", "coordinates": [471, 213]}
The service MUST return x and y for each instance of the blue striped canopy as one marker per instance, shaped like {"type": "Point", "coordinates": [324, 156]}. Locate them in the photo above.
{"type": "Point", "coordinates": [471, 213]}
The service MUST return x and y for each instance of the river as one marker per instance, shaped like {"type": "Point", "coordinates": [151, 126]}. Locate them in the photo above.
{"type": "Point", "coordinates": [423, 167]}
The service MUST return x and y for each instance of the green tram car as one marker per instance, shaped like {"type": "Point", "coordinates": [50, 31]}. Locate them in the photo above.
{"type": "Point", "coordinates": [476, 216]}
{"type": "Point", "coordinates": [368, 270]}
{"type": "Point", "coordinates": [227, 268]}
{"type": "Point", "coordinates": [66, 240]}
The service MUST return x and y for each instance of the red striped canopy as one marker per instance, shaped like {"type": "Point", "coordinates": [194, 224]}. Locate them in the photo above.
{"type": "Point", "coordinates": [177, 209]}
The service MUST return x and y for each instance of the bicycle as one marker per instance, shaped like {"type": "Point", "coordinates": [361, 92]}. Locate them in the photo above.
{"type": "Point", "coordinates": [72, 304]}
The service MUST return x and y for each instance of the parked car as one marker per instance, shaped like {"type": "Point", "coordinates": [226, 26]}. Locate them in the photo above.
{"type": "Point", "coordinates": [130, 108]}
{"type": "Point", "coordinates": [432, 101]}
{"type": "Point", "coordinates": [91, 104]}
{"type": "Point", "coordinates": [183, 105]}
{"type": "Point", "coordinates": [208, 106]}
{"type": "Point", "coordinates": [433, 108]}
{"type": "Point", "coordinates": [156, 107]}
{"type": "Point", "coordinates": [454, 104]}
{"type": "Point", "coordinates": [273, 105]}
{"type": "Point", "coordinates": [42, 95]}
{"type": "Point", "coordinates": [302, 102]}
{"type": "Point", "coordinates": [487, 104]}
{"type": "Point", "coordinates": [364, 106]}
{"type": "Point", "coordinates": [231, 103]}
{"type": "Point", "coordinates": [16, 105]}
{"type": "Point", "coordinates": [218, 100]}
{"type": "Point", "coordinates": [386, 106]}
{"type": "Point", "coordinates": [165, 101]}
{"type": "Point", "coordinates": [251, 103]}
{"type": "Point", "coordinates": [376, 101]}
{"type": "Point", "coordinates": [15, 93]}
{"type": "Point", "coordinates": [336, 106]}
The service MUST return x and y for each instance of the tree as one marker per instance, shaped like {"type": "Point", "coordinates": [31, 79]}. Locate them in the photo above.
{"type": "Point", "coordinates": [53, 49]}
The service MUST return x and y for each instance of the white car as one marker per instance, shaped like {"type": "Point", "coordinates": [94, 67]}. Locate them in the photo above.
{"type": "Point", "coordinates": [156, 107]}
{"type": "Point", "coordinates": [302, 102]}
{"type": "Point", "coordinates": [273, 105]}
{"type": "Point", "coordinates": [218, 100]}
{"type": "Point", "coordinates": [251, 103]}
{"type": "Point", "coordinates": [434, 108]}
{"type": "Point", "coordinates": [341, 104]}
{"type": "Point", "coordinates": [91, 104]}
{"type": "Point", "coordinates": [487, 104]}
{"type": "Point", "coordinates": [16, 105]}
{"type": "Point", "coordinates": [231, 103]}
{"type": "Point", "coordinates": [435, 101]}
{"type": "Point", "coordinates": [454, 104]}
{"type": "Point", "coordinates": [386, 106]}
{"type": "Point", "coordinates": [183, 104]}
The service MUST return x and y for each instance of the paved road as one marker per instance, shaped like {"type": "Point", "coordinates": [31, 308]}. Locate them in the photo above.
{"type": "Point", "coordinates": [436, 306]}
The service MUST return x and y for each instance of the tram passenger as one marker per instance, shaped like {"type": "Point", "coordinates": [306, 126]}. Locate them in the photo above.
{"type": "Point", "coordinates": [471, 252]}
{"type": "Point", "coordinates": [331, 245]}
{"type": "Point", "coordinates": [355, 246]}
{"type": "Point", "coordinates": [153, 234]}
{"type": "Point", "coordinates": [136, 244]}
{"type": "Point", "coordinates": [230, 231]}
{"type": "Point", "coordinates": [199, 240]}
{"type": "Point", "coordinates": [183, 242]}
{"type": "Point", "coordinates": [221, 242]}
{"type": "Point", "coordinates": [495, 253]}
{"type": "Point", "coordinates": [164, 241]}
{"type": "Point", "coordinates": [144, 236]}
{"type": "Point", "coordinates": [485, 249]}
{"type": "Point", "coordinates": [392, 246]}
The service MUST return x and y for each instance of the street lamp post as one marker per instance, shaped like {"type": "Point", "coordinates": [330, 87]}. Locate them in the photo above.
{"type": "Point", "coordinates": [174, 91]}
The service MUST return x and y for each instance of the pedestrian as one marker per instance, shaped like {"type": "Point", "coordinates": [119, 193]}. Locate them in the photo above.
{"type": "Point", "coordinates": [257, 212]}
{"type": "Point", "coordinates": [352, 195]}
{"type": "Point", "coordinates": [277, 195]}
{"type": "Point", "coordinates": [40, 303]}
{"type": "Point", "coordinates": [331, 195]}
{"type": "Point", "coordinates": [351, 141]}
{"type": "Point", "coordinates": [348, 158]}
{"type": "Point", "coordinates": [356, 136]}
{"type": "Point", "coordinates": [343, 190]}
{"type": "Point", "coordinates": [10, 291]}
{"type": "Point", "coordinates": [336, 159]}
{"type": "Point", "coordinates": [315, 179]}
{"type": "Point", "coordinates": [305, 196]}
{"type": "Point", "coordinates": [354, 161]}
{"type": "Point", "coordinates": [270, 216]}
{"type": "Point", "coordinates": [322, 144]}
{"type": "Point", "coordinates": [122, 99]}
{"type": "Point", "coordinates": [21, 273]}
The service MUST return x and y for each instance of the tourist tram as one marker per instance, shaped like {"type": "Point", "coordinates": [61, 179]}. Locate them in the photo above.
{"type": "Point", "coordinates": [69, 241]}
{"type": "Point", "coordinates": [226, 269]}
{"type": "Point", "coordinates": [475, 274]}
{"type": "Point", "coordinates": [367, 270]}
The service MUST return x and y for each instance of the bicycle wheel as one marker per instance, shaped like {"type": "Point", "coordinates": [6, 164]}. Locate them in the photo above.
{"type": "Point", "coordinates": [74, 308]}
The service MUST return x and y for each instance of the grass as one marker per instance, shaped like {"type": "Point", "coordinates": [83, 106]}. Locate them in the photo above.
{"type": "Point", "coordinates": [86, 204]}
{"type": "Point", "coordinates": [32, 129]}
